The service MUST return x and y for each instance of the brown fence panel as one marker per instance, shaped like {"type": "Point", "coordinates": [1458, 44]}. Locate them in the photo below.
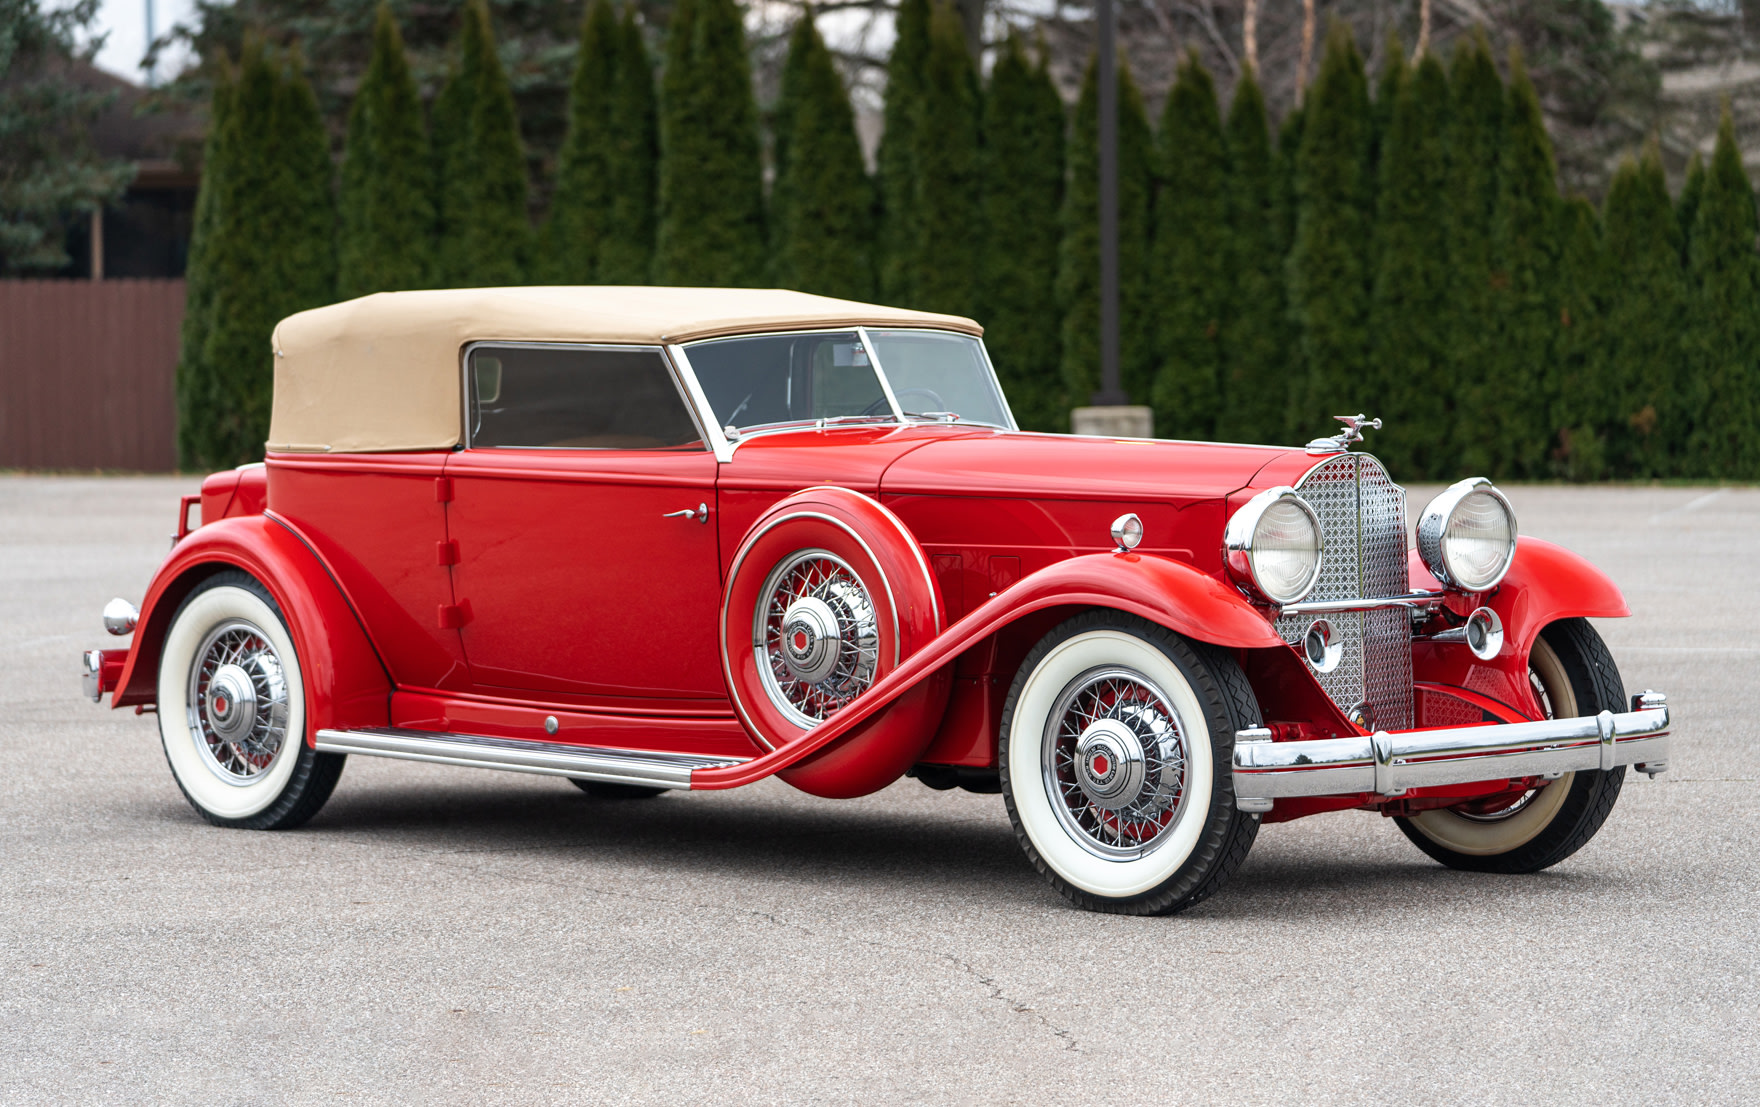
{"type": "Point", "coordinates": [87, 374]}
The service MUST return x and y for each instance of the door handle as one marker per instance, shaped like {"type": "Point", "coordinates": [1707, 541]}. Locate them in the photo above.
{"type": "Point", "coordinates": [700, 514]}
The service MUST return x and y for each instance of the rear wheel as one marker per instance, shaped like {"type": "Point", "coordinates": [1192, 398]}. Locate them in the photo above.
{"type": "Point", "coordinates": [1523, 832]}
{"type": "Point", "coordinates": [1117, 758]}
{"type": "Point", "coordinates": [232, 710]}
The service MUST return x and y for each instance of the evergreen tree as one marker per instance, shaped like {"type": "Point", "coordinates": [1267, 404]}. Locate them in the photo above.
{"type": "Point", "coordinates": [1505, 409]}
{"type": "Point", "coordinates": [385, 224]}
{"type": "Point", "coordinates": [601, 224]}
{"type": "Point", "coordinates": [1078, 263]}
{"type": "Point", "coordinates": [1645, 424]}
{"type": "Point", "coordinates": [711, 166]}
{"type": "Point", "coordinates": [1408, 312]}
{"type": "Point", "coordinates": [484, 231]}
{"type": "Point", "coordinates": [1393, 76]}
{"type": "Point", "coordinates": [1290, 393]}
{"type": "Point", "coordinates": [626, 239]}
{"type": "Point", "coordinates": [821, 206]}
{"type": "Point", "coordinates": [1192, 279]}
{"type": "Point", "coordinates": [1582, 409]}
{"type": "Point", "coordinates": [1475, 146]}
{"type": "Point", "coordinates": [1255, 330]}
{"type": "Point", "coordinates": [273, 251]}
{"type": "Point", "coordinates": [195, 384]}
{"type": "Point", "coordinates": [945, 158]}
{"type": "Point", "coordinates": [1686, 209]}
{"type": "Point", "coordinates": [1328, 263]}
{"type": "Point", "coordinates": [580, 208]}
{"type": "Point", "coordinates": [896, 164]}
{"type": "Point", "coordinates": [1723, 339]}
{"type": "Point", "coordinates": [1023, 190]}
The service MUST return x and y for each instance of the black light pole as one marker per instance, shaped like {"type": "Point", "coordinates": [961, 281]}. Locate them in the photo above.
{"type": "Point", "coordinates": [1110, 393]}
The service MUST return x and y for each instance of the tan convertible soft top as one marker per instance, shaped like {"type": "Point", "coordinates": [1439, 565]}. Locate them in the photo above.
{"type": "Point", "coordinates": [382, 372]}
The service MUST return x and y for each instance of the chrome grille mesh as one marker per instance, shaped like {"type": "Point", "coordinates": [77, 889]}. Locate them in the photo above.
{"type": "Point", "coordinates": [1363, 518]}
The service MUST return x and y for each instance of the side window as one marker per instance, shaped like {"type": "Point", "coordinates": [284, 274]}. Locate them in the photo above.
{"type": "Point", "coordinates": [604, 399]}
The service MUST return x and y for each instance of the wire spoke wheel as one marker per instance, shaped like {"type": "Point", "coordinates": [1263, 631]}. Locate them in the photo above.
{"type": "Point", "coordinates": [237, 702]}
{"type": "Point", "coordinates": [1115, 758]}
{"type": "Point", "coordinates": [817, 636]}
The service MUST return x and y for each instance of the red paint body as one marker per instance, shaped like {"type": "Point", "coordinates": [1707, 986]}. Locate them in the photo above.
{"type": "Point", "coordinates": [481, 590]}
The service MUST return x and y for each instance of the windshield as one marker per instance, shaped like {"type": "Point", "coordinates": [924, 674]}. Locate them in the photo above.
{"type": "Point", "coordinates": [796, 378]}
{"type": "Point", "coordinates": [753, 382]}
{"type": "Point", "coordinates": [935, 371]}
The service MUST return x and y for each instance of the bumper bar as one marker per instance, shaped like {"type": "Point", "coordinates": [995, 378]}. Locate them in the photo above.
{"type": "Point", "coordinates": [1389, 764]}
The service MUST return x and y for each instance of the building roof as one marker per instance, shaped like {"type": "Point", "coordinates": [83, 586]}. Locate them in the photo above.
{"type": "Point", "coordinates": [383, 372]}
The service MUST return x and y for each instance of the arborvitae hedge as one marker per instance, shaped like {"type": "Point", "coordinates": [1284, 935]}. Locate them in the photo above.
{"type": "Point", "coordinates": [1583, 401]}
{"type": "Point", "coordinates": [1191, 262]}
{"type": "Point", "coordinates": [1410, 365]}
{"type": "Point", "coordinates": [485, 235]}
{"type": "Point", "coordinates": [896, 169]}
{"type": "Point", "coordinates": [1686, 209]}
{"type": "Point", "coordinates": [580, 207]}
{"type": "Point", "coordinates": [1023, 190]}
{"type": "Point", "coordinates": [1078, 268]}
{"type": "Point", "coordinates": [194, 382]}
{"type": "Point", "coordinates": [626, 237]}
{"type": "Point", "coordinates": [947, 212]}
{"type": "Point", "coordinates": [1645, 421]}
{"type": "Point", "coordinates": [1723, 329]}
{"type": "Point", "coordinates": [385, 209]}
{"type": "Point", "coordinates": [1255, 330]}
{"type": "Point", "coordinates": [821, 210]}
{"type": "Point", "coordinates": [1475, 139]}
{"type": "Point", "coordinates": [711, 166]}
{"type": "Point", "coordinates": [1506, 409]}
{"type": "Point", "coordinates": [273, 252]}
{"type": "Point", "coordinates": [1328, 264]}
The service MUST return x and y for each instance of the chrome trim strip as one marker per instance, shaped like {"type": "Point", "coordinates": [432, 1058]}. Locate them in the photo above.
{"type": "Point", "coordinates": [642, 767]}
{"type": "Point", "coordinates": [1424, 600]}
{"type": "Point", "coordinates": [717, 438]}
{"type": "Point", "coordinates": [1392, 763]}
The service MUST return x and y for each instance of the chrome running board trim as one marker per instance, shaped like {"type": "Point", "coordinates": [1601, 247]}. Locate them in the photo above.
{"type": "Point", "coordinates": [1390, 763]}
{"type": "Point", "coordinates": [641, 767]}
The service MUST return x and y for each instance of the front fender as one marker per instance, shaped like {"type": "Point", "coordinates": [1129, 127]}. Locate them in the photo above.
{"type": "Point", "coordinates": [346, 682]}
{"type": "Point", "coordinates": [1167, 592]}
{"type": "Point", "coordinates": [1545, 583]}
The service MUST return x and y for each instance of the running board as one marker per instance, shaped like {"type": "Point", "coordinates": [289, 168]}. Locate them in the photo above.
{"type": "Point", "coordinates": [641, 767]}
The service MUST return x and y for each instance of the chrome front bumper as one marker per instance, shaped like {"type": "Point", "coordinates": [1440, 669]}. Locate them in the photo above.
{"type": "Point", "coordinates": [1390, 764]}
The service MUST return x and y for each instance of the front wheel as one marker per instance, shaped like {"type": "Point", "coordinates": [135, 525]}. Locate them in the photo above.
{"type": "Point", "coordinates": [1117, 758]}
{"type": "Point", "coordinates": [1572, 674]}
{"type": "Point", "coordinates": [232, 710]}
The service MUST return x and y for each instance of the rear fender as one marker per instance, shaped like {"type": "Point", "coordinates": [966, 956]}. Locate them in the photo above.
{"type": "Point", "coordinates": [346, 683]}
{"type": "Point", "coordinates": [1166, 592]}
{"type": "Point", "coordinates": [1545, 583]}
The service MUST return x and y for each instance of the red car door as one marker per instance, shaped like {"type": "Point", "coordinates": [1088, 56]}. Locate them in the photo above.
{"type": "Point", "coordinates": [586, 563]}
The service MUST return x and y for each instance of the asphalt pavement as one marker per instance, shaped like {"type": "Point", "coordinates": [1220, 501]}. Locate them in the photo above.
{"type": "Point", "coordinates": [457, 936]}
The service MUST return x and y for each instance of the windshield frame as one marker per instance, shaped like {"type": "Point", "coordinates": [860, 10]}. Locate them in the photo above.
{"type": "Point", "coordinates": [723, 445]}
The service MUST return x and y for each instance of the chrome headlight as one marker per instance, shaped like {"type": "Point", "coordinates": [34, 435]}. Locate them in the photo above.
{"type": "Point", "coordinates": [1467, 535]}
{"type": "Point", "coordinates": [1273, 544]}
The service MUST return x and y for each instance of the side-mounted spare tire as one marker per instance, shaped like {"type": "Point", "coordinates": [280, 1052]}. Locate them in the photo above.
{"type": "Point", "coordinates": [828, 593]}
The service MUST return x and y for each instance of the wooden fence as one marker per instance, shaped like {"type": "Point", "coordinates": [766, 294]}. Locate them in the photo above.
{"type": "Point", "coordinates": [87, 374]}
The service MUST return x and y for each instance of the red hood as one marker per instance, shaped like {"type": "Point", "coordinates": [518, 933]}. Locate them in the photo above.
{"type": "Point", "coordinates": [1062, 466]}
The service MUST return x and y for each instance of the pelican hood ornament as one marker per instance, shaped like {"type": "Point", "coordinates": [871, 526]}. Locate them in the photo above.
{"type": "Point", "coordinates": [1354, 425]}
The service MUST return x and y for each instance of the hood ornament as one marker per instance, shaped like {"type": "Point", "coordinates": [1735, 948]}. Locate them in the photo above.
{"type": "Point", "coordinates": [1354, 426]}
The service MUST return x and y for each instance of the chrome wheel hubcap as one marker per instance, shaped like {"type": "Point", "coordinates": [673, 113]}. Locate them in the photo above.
{"type": "Point", "coordinates": [1115, 763]}
{"type": "Point", "coordinates": [238, 703]}
{"type": "Point", "coordinates": [817, 636]}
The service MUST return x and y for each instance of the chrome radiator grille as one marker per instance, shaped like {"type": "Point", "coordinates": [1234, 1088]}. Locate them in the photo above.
{"type": "Point", "coordinates": [1363, 518]}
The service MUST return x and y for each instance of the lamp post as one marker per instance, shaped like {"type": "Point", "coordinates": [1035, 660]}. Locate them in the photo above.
{"type": "Point", "coordinates": [1110, 411]}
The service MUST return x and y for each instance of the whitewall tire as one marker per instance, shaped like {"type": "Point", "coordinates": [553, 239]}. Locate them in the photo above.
{"type": "Point", "coordinates": [1117, 764]}
{"type": "Point", "coordinates": [232, 710]}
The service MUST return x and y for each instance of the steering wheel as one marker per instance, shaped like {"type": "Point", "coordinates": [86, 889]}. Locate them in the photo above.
{"type": "Point", "coordinates": [936, 403]}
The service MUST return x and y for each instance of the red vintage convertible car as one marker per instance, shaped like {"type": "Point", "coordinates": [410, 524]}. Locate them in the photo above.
{"type": "Point", "coordinates": [656, 538]}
